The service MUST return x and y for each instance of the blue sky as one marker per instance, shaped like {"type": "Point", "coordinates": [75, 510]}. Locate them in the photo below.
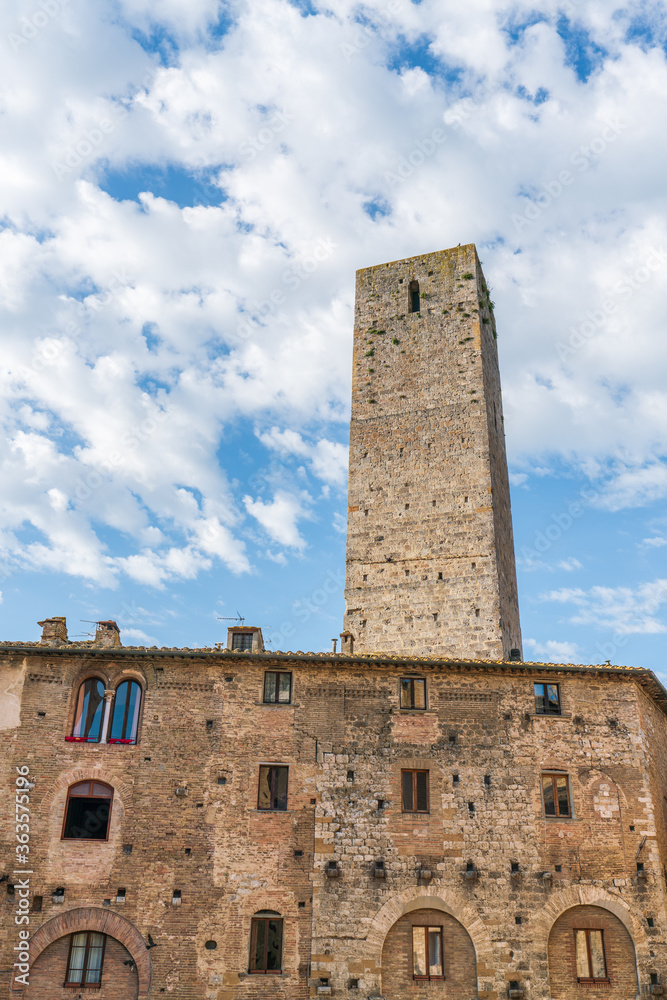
{"type": "Point", "coordinates": [187, 191]}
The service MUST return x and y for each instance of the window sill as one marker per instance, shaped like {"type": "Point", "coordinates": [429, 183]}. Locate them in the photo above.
{"type": "Point", "coordinates": [561, 819]}
{"type": "Point", "coordinates": [549, 715]}
{"type": "Point", "coordinates": [271, 812]}
{"type": "Point", "coordinates": [413, 711]}
{"type": "Point", "coordinates": [278, 704]}
{"type": "Point", "coordinates": [416, 815]}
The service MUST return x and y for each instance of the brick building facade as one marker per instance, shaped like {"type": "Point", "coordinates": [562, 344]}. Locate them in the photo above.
{"type": "Point", "coordinates": [419, 815]}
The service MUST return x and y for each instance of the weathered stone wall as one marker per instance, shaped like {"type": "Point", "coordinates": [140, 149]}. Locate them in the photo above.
{"type": "Point", "coordinates": [345, 741]}
{"type": "Point", "coordinates": [430, 556]}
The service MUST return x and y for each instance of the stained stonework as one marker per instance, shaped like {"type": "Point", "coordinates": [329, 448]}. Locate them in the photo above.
{"type": "Point", "coordinates": [430, 552]}
{"type": "Point", "coordinates": [185, 818]}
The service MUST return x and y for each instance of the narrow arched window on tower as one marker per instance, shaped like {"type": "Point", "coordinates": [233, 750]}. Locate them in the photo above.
{"type": "Point", "coordinates": [413, 294]}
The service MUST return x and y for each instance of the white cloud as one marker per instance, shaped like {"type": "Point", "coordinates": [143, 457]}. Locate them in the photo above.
{"type": "Point", "coordinates": [136, 331]}
{"type": "Point", "coordinates": [552, 651]}
{"type": "Point", "coordinates": [656, 541]}
{"type": "Point", "coordinates": [624, 610]}
{"type": "Point", "coordinates": [279, 517]}
{"type": "Point", "coordinates": [569, 564]}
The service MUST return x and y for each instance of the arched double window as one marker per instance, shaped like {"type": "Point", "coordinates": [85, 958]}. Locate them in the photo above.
{"type": "Point", "coordinates": [89, 713]}
{"type": "Point", "coordinates": [110, 719]}
{"type": "Point", "coordinates": [125, 720]}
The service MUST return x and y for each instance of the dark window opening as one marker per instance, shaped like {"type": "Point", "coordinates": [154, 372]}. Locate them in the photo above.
{"type": "Point", "coordinates": [37, 903]}
{"type": "Point", "coordinates": [126, 713]}
{"type": "Point", "coordinates": [515, 866]}
{"type": "Point", "coordinates": [415, 791]}
{"type": "Point", "coordinates": [209, 724]}
{"type": "Point", "coordinates": [518, 919]}
{"type": "Point", "coordinates": [86, 955]}
{"type": "Point", "coordinates": [89, 712]}
{"type": "Point", "coordinates": [487, 779]}
{"type": "Point", "coordinates": [272, 787]}
{"type": "Point", "coordinates": [266, 944]}
{"type": "Point", "coordinates": [350, 775]}
{"type": "Point", "coordinates": [87, 812]}
{"type": "Point", "coordinates": [650, 922]}
{"type": "Point", "coordinates": [242, 641]}
{"type": "Point", "coordinates": [590, 956]}
{"type": "Point", "coordinates": [413, 297]}
{"type": "Point", "coordinates": [556, 795]}
{"type": "Point", "coordinates": [210, 945]}
{"type": "Point", "coordinates": [427, 953]}
{"type": "Point", "coordinates": [547, 699]}
{"type": "Point", "coordinates": [413, 692]}
{"type": "Point", "coordinates": [277, 687]}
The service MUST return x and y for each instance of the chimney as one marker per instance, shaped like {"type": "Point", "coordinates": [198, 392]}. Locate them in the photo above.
{"type": "Point", "coordinates": [346, 643]}
{"type": "Point", "coordinates": [54, 631]}
{"type": "Point", "coordinates": [107, 634]}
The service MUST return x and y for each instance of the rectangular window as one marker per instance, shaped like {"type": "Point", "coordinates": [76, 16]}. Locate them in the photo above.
{"type": "Point", "coordinates": [277, 687]}
{"type": "Point", "coordinates": [86, 954]}
{"type": "Point", "coordinates": [547, 699]}
{"type": "Point", "coordinates": [590, 956]}
{"type": "Point", "coordinates": [427, 959]}
{"type": "Point", "coordinates": [266, 945]}
{"type": "Point", "coordinates": [242, 640]}
{"type": "Point", "coordinates": [415, 791]}
{"type": "Point", "coordinates": [413, 692]}
{"type": "Point", "coordinates": [272, 787]}
{"type": "Point", "coordinates": [556, 795]}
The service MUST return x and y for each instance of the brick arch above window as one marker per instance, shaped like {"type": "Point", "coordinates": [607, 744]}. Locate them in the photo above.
{"type": "Point", "coordinates": [429, 898]}
{"type": "Point", "coordinates": [559, 902]}
{"type": "Point", "coordinates": [92, 918]}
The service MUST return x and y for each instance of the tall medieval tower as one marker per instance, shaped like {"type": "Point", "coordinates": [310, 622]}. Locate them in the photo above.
{"type": "Point", "coordinates": [430, 552]}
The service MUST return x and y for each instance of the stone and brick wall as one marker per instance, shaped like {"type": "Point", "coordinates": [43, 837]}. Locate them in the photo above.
{"type": "Point", "coordinates": [430, 553]}
{"type": "Point", "coordinates": [205, 732]}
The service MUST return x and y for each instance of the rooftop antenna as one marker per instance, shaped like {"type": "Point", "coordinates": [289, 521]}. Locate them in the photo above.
{"type": "Point", "coordinates": [239, 618]}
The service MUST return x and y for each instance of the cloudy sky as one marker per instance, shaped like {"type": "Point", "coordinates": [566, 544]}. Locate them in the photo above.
{"type": "Point", "coordinates": [187, 189]}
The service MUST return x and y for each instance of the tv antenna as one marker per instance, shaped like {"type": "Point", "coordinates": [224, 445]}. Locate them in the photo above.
{"type": "Point", "coordinates": [239, 618]}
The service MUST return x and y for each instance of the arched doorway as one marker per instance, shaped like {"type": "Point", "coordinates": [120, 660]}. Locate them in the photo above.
{"type": "Point", "coordinates": [589, 946]}
{"type": "Point", "coordinates": [428, 948]}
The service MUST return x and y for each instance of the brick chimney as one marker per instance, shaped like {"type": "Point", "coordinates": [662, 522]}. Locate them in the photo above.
{"type": "Point", "coordinates": [54, 631]}
{"type": "Point", "coordinates": [107, 634]}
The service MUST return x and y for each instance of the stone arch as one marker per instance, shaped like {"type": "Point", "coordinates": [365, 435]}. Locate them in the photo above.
{"type": "Point", "coordinates": [93, 918]}
{"type": "Point", "coordinates": [585, 895]}
{"type": "Point", "coordinates": [429, 898]}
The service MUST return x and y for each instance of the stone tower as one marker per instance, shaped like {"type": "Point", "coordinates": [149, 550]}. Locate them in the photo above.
{"type": "Point", "coordinates": [430, 552]}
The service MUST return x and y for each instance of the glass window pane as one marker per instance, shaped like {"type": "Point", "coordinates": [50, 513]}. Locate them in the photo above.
{"type": "Point", "coordinates": [422, 791]}
{"type": "Point", "coordinates": [407, 791]}
{"type": "Point", "coordinates": [285, 687]}
{"type": "Point", "coordinates": [419, 951]}
{"type": "Point", "coordinates": [581, 954]}
{"type": "Point", "coordinates": [273, 947]}
{"type": "Point", "coordinates": [406, 693]}
{"type": "Point", "coordinates": [548, 794]}
{"type": "Point", "coordinates": [264, 798]}
{"type": "Point", "coordinates": [270, 686]}
{"type": "Point", "coordinates": [89, 710]}
{"type": "Point", "coordinates": [258, 957]}
{"type": "Point", "coordinates": [539, 697]}
{"type": "Point", "coordinates": [94, 968]}
{"type": "Point", "coordinates": [420, 693]}
{"type": "Point", "coordinates": [77, 954]}
{"type": "Point", "coordinates": [101, 790]}
{"type": "Point", "coordinates": [120, 700]}
{"type": "Point", "coordinates": [597, 954]}
{"type": "Point", "coordinates": [87, 819]}
{"type": "Point", "coordinates": [434, 952]}
{"type": "Point", "coordinates": [280, 784]}
{"type": "Point", "coordinates": [133, 711]}
{"type": "Point", "coordinates": [563, 797]}
{"type": "Point", "coordinates": [552, 697]}
{"type": "Point", "coordinates": [83, 788]}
